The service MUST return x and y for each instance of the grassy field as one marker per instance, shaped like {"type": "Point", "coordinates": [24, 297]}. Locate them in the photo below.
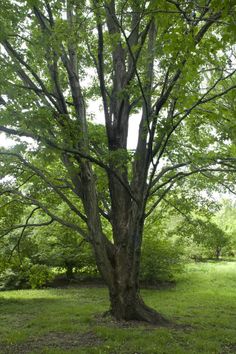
{"type": "Point", "coordinates": [202, 308]}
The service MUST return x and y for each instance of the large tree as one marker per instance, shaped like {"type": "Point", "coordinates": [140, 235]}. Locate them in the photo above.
{"type": "Point", "coordinates": [167, 64]}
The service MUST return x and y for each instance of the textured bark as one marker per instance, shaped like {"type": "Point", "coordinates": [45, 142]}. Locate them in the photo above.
{"type": "Point", "coordinates": [128, 305]}
{"type": "Point", "coordinates": [126, 302]}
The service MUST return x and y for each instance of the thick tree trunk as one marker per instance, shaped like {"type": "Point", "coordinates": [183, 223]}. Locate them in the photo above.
{"type": "Point", "coordinates": [125, 300]}
{"type": "Point", "coordinates": [127, 304]}
{"type": "Point", "coordinates": [118, 261]}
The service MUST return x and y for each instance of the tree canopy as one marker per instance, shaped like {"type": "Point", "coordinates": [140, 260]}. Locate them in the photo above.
{"type": "Point", "coordinates": [169, 65]}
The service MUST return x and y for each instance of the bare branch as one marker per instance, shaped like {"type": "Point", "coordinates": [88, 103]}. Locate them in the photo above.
{"type": "Point", "coordinates": [100, 70]}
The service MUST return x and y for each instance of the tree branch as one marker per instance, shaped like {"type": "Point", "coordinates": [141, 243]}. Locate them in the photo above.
{"type": "Point", "coordinates": [47, 211]}
{"type": "Point", "coordinates": [40, 174]}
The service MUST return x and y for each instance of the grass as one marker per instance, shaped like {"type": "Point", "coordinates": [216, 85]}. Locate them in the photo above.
{"type": "Point", "coordinates": [202, 308]}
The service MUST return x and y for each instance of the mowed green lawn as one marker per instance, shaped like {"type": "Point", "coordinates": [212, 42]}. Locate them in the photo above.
{"type": "Point", "coordinates": [201, 308]}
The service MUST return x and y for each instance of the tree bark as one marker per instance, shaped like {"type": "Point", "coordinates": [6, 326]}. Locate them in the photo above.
{"type": "Point", "coordinates": [125, 299]}
{"type": "Point", "coordinates": [126, 302]}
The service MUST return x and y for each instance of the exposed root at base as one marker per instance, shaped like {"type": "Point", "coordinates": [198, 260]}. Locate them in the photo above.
{"type": "Point", "coordinates": [140, 314]}
{"type": "Point", "coordinates": [108, 319]}
{"type": "Point", "coordinates": [149, 315]}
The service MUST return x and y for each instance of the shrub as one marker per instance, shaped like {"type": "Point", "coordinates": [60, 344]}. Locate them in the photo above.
{"type": "Point", "coordinates": [195, 251]}
{"type": "Point", "coordinates": [161, 260]}
{"type": "Point", "coordinates": [11, 280]}
{"type": "Point", "coordinates": [39, 276]}
{"type": "Point", "coordinates": [15, 275]}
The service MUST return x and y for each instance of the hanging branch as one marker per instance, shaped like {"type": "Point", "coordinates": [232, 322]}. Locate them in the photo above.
{"type": "Point", "coordinates": [36, 202]}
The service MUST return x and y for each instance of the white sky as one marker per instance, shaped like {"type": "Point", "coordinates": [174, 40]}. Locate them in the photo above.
{"type": "Point", "coordinates": [6, 142]}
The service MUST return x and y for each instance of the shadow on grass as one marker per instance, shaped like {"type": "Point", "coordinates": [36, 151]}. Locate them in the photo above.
{"type": "Point", "coordinates": [53, 340]}
{"type": "Point", "coordinates": [50, 322]}
{"type": "Point", "coordinates": [27, 302]}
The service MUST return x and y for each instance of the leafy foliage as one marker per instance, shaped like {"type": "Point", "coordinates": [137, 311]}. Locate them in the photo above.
{"type": "Point", "coordinates": [161, 261]}
{"type": "Point", "coordinates": [14, 277]}
{"type": "Point", "coordinates": [167, 63]}
{"type": "Point", "coordinates": [39, 276]}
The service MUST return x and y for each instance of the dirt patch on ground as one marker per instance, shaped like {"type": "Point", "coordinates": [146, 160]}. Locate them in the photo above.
{"type": "Point", "coordinates": [229, 348]}
{"type": "Point", "coordinates": [107, 320]}
{"type": "Point", "coordinates": [63, 341]}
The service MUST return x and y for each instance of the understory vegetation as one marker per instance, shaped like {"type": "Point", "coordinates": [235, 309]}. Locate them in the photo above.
{"type": "Point", "coordinates": [201, 309]}
{"type": "Point", "coordinates": [54, 256]}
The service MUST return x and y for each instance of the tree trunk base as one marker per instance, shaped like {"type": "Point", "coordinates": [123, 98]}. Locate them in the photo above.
{"type": "Point", "coordinates": [138, 311]}
{"type": "Point", "coordinates": [147, 314]}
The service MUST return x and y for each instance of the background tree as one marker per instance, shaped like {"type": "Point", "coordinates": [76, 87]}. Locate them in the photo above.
{"type": "Point", "coordinates": [167, 61]}
{"type": "Point", "coordinates": [207, 234]}
{"type": "Point", "coordinates": [60, 247]}
{"type": "Point", "coordinates": [225, 218]}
